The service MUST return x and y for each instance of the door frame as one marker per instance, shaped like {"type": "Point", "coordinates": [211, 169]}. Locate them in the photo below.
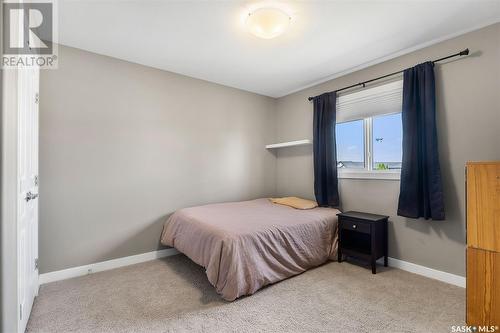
{"type": "Point", "coordinates": [9, 174]}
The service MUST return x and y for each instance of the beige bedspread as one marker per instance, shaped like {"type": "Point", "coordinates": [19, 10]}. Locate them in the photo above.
{"type": "Point", "coordinates": [247, 245]}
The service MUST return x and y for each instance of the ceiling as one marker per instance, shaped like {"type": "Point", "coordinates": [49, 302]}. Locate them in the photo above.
{"type": "Point", "coordinates": [207, 39]}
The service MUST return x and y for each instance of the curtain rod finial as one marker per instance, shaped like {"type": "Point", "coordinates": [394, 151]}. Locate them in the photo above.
{"type": "Point", "coordinates": [464, 52]}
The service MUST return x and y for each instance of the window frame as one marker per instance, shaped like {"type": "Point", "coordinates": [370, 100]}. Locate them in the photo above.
{"type": "Point", "coordinates": [368, 172]}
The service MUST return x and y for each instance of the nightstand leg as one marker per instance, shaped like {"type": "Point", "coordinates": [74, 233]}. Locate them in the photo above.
{"type": "Point", "coordinates": [386, 243]}
{"type": "Point", "coordinates": [374, 267]}
{"type": "Point", "coordinates": [339, 255]}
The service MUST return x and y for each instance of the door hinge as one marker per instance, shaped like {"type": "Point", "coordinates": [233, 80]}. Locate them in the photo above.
{"type": "Point", "coordinates": [37, 98]}
{"type": "Point", "coordinates": [36, 180]}
{"type": "Point", "coordinates": [20, 312]}
{"type": "Point", "coordinates": [36, 263]}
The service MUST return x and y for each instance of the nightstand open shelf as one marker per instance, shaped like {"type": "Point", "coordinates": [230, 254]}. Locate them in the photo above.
{"type": "Point", "coordinates": [356, 241]}
{"type": "Point", "coordinates": [363, 236]}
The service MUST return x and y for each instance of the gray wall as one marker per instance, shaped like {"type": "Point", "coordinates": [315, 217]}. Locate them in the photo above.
{"type": "Point", "coordinates": [468, 117]}
{"type": "Point", "coordinates": [123, 145]}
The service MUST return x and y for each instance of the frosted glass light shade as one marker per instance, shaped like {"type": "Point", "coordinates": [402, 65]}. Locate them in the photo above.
{"type": "Point", "coordinates": [267, 23]}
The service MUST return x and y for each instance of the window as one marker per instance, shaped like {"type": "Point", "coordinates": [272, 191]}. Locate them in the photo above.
{"type": "Point", "coordinates": [350, 145]}
{"type": "Point", "coordinates": [369, 133]}
{"type": "Point", "coordinates": [387, 142]}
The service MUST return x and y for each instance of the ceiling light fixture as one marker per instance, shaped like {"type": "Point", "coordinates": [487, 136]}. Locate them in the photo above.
{"type": "Point", "coordinates": [267, 22]}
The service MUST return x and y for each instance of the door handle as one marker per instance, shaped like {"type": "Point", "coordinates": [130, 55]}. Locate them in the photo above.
{"type": "Point", "coordinates": [30, 196]}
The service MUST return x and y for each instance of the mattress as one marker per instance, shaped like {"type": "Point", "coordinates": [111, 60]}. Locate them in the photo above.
{"type": "Point", "coordinates": [249, 244]}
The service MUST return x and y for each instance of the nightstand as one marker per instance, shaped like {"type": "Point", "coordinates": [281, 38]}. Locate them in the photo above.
{"type": "Point", "coordinates": [363, 236]}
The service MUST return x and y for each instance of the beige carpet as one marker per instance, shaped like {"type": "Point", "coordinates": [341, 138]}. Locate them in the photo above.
{"type": "Point", "coordinates": [173, 295]}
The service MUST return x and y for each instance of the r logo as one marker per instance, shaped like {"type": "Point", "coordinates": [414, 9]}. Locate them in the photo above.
{"type": "Point", "coordinates": [28, 28]}
{"type": "Point", "coordinates": [29, 36]}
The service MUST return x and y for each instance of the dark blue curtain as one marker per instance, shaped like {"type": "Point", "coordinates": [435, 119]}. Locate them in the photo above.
{"type": "Point", "coordinates": [421, 193]}
{"type": "Point", "coordinates": [325, 150]}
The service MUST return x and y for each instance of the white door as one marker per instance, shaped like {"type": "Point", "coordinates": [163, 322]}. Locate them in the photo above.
{"type": "Point", "coordinates": [28, 82]}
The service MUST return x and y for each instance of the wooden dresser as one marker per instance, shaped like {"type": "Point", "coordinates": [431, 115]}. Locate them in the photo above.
{"type": "Point", "coordinates": [483, 243]}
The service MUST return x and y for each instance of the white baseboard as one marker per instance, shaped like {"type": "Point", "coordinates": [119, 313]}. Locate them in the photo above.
{"type": "Point", "coordinates": [456, 280]}
{"type": "Point", "coordinates": [104, 265]}
{"type": "Point", "coordinates": [64, 274]}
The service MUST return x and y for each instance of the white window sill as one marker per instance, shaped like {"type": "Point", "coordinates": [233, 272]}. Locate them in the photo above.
{"type": "Point", "coordinates": [369, 174]}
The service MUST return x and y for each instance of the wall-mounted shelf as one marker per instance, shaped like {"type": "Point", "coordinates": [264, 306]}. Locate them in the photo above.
{"type": "Point", "coordinates": [289, 144]}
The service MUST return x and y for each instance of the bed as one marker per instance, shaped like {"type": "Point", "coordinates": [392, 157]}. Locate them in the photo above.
{"type": "Point", "coordinates": [249, 244]}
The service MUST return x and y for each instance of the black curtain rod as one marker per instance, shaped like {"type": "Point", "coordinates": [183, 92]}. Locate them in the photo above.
{"type": "Point", "coordinates": [461, 53]}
